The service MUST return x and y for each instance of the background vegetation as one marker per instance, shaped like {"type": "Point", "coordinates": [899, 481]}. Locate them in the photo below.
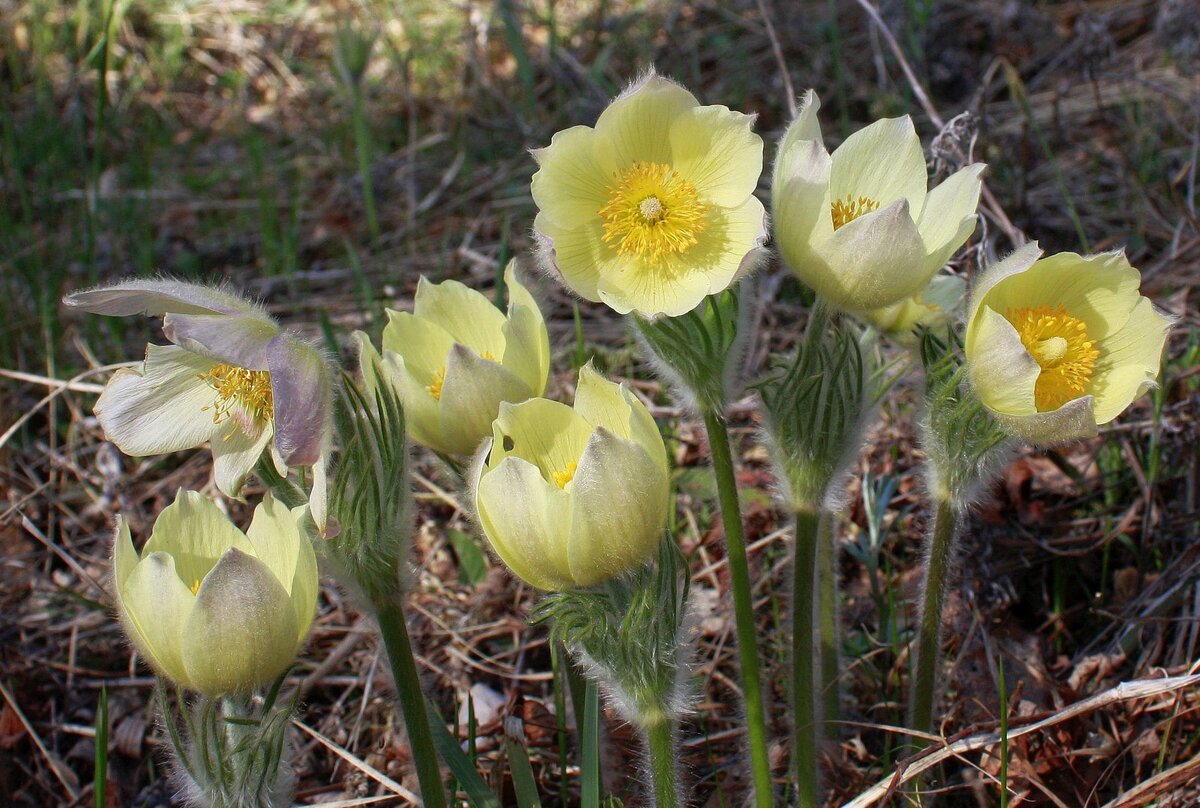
{"type": "Point", "coordinates": [217, 140]}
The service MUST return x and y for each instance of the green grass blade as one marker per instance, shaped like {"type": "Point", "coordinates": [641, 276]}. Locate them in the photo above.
{"type": "Point", "coordinates": [100, 775]}
{"type": "Point", "coordinates": [590, 769]}
{"type": "Point", "coordinates": [524, 783]}
{"type": "Point", "coordinates": [458, 763]}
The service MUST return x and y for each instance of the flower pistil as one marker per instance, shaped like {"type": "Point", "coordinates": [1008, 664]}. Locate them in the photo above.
{"type": "Point", "coordinates": [1060, 344]}
{"type": "Point", "coordinates": [652, 213]}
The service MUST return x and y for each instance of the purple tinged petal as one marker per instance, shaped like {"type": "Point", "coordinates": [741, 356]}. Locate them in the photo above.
{"type": "Point", "coordinates": [302, 389]}
{"type": "Point", "coordinates": [156, 297]}
{"type": "Point", "coordinates": [238, 340]}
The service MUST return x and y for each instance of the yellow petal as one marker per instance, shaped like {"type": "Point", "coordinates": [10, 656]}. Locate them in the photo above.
{"type": "Point", "coordinates": [615, 407]}
{"type": "Point", "coordinates": [195, 533]}
{"type": "Point", "coordinates": [1129, 362]}
{"type": "Point", "coordinates": [570, 185]}
{"type": "Point", "coordinates": [527, 521]}
{"type": "Point", "coordinates": [715, 149]}
{"type": "Point", "coordinates": [883, 162]}
{"type": "Point", "coordinates": [1002, 371]}
{"type": "Point", "coordinates": [154, 605]}
{"type": "Point", "coordinates": [620, 497]}
{"type": "Point", "coordinates": [526, 340]}
{"type": "Point", "coordinates": [801, 136]}
{"type": "Point", "coordinates": [545, 433]}
{"type": "Point", "coordinates": [579, 255]}
{"type": "Point", "coordinates": [236, 452]}
{"type": "Point", "coordinates": [242, 631]}
{"type": "Point", "coordinates": [465, 314]}
{"type": "Point", "coordinates": [948, 218]}
{"type": "Point", "coordinates": [422, 412]}
{"type": "Point", "coordinates": [423, 343]}
{"type": "Point", "coordinates": [633, 127]}
{"type": "Point", "coordinates": [471, 396]}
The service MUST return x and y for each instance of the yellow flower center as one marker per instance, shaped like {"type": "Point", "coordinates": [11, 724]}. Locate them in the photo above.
{"type": "Point", "coordinates": [652, 213]}
{"type": "Point", "coordinates": [561, 478]}
{"type": "Point", "coordinates": [847, 210]}
{"type": "Point", "coordinates": [1060, 344]}
{"type": "Point", "coordinates": [434, 388]}
{"type": "Point", "coordinates": [237, 386]}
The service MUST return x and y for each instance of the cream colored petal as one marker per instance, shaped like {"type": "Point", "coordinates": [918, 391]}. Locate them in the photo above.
{"type": "Point", "coordinates": [466, 315]}
{"type": "Point", "coordinates": [570, 185]}
{"type": "Point", "coordinates": [715, 149]}
{"type": "Point", "coordinates": [545, 433]}
{"type": "Point", "coordinates": [164, 408]}
{"type": "Point", "coordinates": [875, 260]}
{"type": "Point", "coordinates": [242, 631]}
{"type": "Point", "coordinates": [948, 219]}
{"type": "Point", "coordinates": [1014, 264]}
{"type": "Point", "coordinates": [195, 533]}
{"type": "Point", "coordinates": [158, 296]}
{"type": "Point", "coordinates": [579, 255]}
{"type": "Point", "coordinates": [615, 407]}
{"type": "Point", "coordinates": [125, 555]}
{"type": "Point", "coordinates": [802, 136]}
{"type": "Point", "coordinates": [732, 237]}
{"type": "Point", "coordinates": [154, 605]}
{"type": "Point", "coordinates": [801, 203]}
{"type": "Point", "coordinates": [369, 361]}
{"type": "Point", "coordinates": [471, 397]}
{"type": "Point", "coordinates": [633, 128]}
{"type": "Point", "coordinates": [1129, 361]}
{"type": "Point", "coordinates": [883, 162]}
{"type": "Point", "coordinates": [1071, 421]}
{"type": "Point", "coordinates": [1002, 371]}
{"type": "Point", "coordinates": [281, 542]}
{"type": "Point", "coordinates": [318, 498]}
{"type": "Point", "coordinates": [236, 451]}
{"type": "Point", "coordinates": [422, 412]}
{"type": "Point", "coordinates": [619, 509]}
{"type": "Point", "coordinates": [423, 344]}
{"type": "Point", "coordinates": [526, 340]}
{"type": "Point", "coordinates": [527, 521]}
{"type": "Point", "coordinates": [306, 583]}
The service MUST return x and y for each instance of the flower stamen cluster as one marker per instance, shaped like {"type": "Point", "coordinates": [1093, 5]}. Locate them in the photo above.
{"type": "Point", "coordinates": [652, 213]}
{"type": "Point", "coordinates": [1060, 345]}
{"type": "Point", "coordinates": [847, 210]}
{"type": "Point", "coordinates": [236, 385]}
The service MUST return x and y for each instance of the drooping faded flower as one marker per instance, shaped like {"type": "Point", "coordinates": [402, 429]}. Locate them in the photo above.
{"type": "Point", "coordinates": [456, 357]}
{"type": "Point", "coordinates": [653, 208]}
{"type": "Point", "coordinates": [1057, 346]}
{"type": "Point", "coordinates": [211, 608]}
{"type": "Point", "coordinates": [569, 497]}
{"type": "Point", "coordinates": [860, 226]}
{"type": "Point", "coordinates": [233, 379]}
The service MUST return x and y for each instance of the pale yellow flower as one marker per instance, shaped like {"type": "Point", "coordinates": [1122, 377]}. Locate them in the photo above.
{"type": "Point", "coordinates": [653, 208]}
{"type": "Point", "coordinates": [1056, 346]}
{"type": "Point", "coordinates": [569, 497]}
{"type": "Point", "coordinates": [456, 357]}
{"type": "Point", "coordinates": [938, 303]}
{"type": "Point", "coordinates": [211, 608]}
{"type": "Point", "coordinates": [860, 226]}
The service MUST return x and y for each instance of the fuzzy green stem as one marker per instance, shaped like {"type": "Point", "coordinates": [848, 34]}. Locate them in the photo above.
{"type": "Point", "coordinates": [827, 620]}
{"type": "Point", "coordinates": [804, 676]}
{"type": "Point", "coordinates": [933, 601]}
{"type": "Point", "coordinates": [663, 756]}
{"type": "Point", "coordinates": [743, 608]}
{"type": "Point", "coordinates": [394, 631]}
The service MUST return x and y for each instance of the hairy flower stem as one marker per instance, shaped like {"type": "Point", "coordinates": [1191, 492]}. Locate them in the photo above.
{"type": "Point", "coordinates": [663, 757]}
{"type": "Point", "coordinates": [804, 673]}
{"type": "Point", "coordinates": [827, 620]}
{"type": "Point", "coordinates": [743, 609]}
{"type": "Point", "coordinates": [394, 631]}
{"type": "Point", "coordinates": [937, 573]}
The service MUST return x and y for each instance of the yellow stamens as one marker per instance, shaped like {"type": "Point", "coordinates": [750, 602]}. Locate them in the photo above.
{"type": "Point", "coordinates": [652, 213]}
{"type": "Point", "coordinates": [847, 210]}
{"type": "Point", "coordinates": [561, 478]}
{"type": "Point", "coordinates": [195, 586]}
{"type": "Point", "coordinates": [237, 386]}
{"type": "Point", "coordinates": [434, 388]}
{"type": "Point", "coordinates": [1060, 344]}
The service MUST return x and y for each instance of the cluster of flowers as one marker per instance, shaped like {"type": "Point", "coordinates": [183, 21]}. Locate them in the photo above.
{"type": "Point", "coordinates": [648, 212]}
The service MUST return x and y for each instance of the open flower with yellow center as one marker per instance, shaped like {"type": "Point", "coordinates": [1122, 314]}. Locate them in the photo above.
{"type": "Point", "coordinates": [1057, 346]}
{"type": "Point", "coordinates": [456, 357]}
{"type": "Point", "coordinates": [860, 226]}
{"type": "Point", "coordinates": [939, 303]}
{"type": "Point", "coordinates": [211, 608]}
{"type": "Point", "coordinates": [233, 379]}
{"type": "Point", "coordinates": [569, 497]}
{"type": "Point", "coordinates": [653, 208]}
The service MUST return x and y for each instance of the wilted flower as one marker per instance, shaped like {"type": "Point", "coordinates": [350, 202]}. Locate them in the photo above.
{"type": "Point", "coordinates": [1057, 346]}
{"type": "Point", "coordinates": [212, 608]}
{"type": "Point", "coordinates": [570, 497]}
{"type": "Point", "coordinates": [938, 303]}
{"type": "Point", "coordinates": [456, 357]}
{"type": "Point", "coordinates": [233, 379]}
{"type": "Point", "coordinates": [859, 226]}
{"type": "Point", "coordinates": [653, 208]}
